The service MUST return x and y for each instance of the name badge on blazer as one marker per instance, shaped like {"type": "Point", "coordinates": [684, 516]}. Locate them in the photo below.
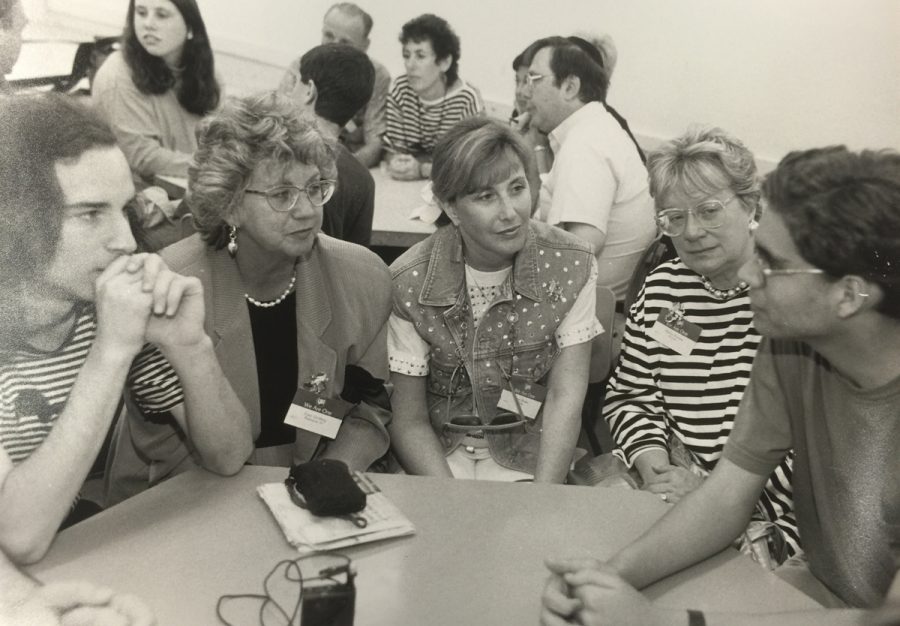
{"type": "Point", "coordinates": [314, 413]}
{"type": "Point", "coordinates": [675, 332]}
{"type": "Point", "coordinates": [530, 397]}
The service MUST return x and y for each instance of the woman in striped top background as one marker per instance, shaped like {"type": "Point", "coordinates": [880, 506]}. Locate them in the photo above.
{"type": "Point", "coordinates": [426, 101]}
{"type": "Point", "coordinates": [689, 342]}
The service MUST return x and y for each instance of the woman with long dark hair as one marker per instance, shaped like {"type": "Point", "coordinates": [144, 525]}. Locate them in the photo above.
{"type": "Point", "coordinates": [155, 90]}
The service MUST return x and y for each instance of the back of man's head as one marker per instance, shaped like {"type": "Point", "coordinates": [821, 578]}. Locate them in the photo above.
{"type": "Point", "coordinates": [343, 77]}
{"type": "Point", "coordinates": [842, 210]}
{"type": "Point", "coordinates": [574, 56]}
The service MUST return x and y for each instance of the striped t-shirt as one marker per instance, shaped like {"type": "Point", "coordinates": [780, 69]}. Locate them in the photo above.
{"type": "Point", "coordinates": [414, 125]}
{"type": "Point", "coordinates": [34, 386]}
{"type": "Point", "coordinates": [656, 392]}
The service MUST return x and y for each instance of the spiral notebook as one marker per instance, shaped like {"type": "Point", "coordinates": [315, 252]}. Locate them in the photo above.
{"type": "Point", "coordinates": [309, 533]}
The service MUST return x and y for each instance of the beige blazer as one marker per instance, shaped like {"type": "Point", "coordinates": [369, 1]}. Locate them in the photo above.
{"type": "Point", "coordinates": [343, 302]}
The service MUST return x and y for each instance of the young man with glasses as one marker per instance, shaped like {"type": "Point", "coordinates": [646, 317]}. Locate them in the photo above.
{"type": "Point", "coordinates": [825, 290]}
{"type": "Point", "coordinates": [597, 187]}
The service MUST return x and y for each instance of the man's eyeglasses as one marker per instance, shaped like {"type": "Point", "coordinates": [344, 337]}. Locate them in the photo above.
{"type": "Point", "coordinates": [532, 77]}
{"type": "Point", "coordinates": [284, 197]}
{"type": "Point", "coordinates": [765, 271]}
{"type": "Point", "coordinates": [710, 214]}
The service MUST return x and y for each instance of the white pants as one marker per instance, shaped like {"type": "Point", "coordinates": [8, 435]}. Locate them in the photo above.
{"type": "Point", "coordinates": [480, 465]}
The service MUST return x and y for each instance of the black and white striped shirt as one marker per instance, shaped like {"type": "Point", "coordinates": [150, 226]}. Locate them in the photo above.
{"type": "Point", "coordinates": [34, 386]}
{"type": "Point", "coordinates": [656, 392]}
{"type": "Point", "coordinates": [414, 125]}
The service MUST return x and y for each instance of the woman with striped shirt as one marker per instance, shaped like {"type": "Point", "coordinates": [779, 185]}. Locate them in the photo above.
{"type": "Point", "coordinates": [426, 101]}
{"type": "Point", "coordinates": [689, 342]}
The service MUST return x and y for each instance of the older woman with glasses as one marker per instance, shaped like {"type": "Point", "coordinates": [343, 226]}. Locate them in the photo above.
{"type": "Point", "coordinates": [297, 317]}
{"type": "Point", "coordinates": [490, 331]}
{"type": "Point", "coordinates": [689, 341]}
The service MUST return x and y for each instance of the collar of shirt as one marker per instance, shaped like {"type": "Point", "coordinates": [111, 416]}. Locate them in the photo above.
{"type": "Point", "coordinates": [558, 135]}
{"type": "Point", "coordinates": [445, 278]}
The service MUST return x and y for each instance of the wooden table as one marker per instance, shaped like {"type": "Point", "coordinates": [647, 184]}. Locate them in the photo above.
{"type": "Point", "coordinates": [476, 557]}
{"type": "Point", "coordinates": [394, 201]}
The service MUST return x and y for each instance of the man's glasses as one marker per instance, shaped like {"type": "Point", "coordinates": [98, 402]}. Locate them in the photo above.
{"type": "Point", "coordinates": [284, 197]}
{"type": "Point", "coordinates": [762, 266]}
{"type": "Point", "coordinates": [532, 77]}
{"type": "Point", "coordinates": [710, 214]}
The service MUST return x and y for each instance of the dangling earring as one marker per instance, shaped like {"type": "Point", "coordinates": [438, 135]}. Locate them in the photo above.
{"type": "Point", "coordinates": [190, 35]}
{"type": "Point", "coordinates": [232, 241]}
{"type": "Point", "coordinates": [753, 224]}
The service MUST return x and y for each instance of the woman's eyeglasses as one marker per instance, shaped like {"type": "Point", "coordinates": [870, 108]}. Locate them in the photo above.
{"type": "Point", "coordinates": [710, 214]}
{"type": "Point", "coordinates": [284, 197]}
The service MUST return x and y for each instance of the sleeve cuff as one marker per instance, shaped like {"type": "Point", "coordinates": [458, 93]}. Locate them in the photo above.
{"type": "Point", "coordinates": [408, 365]}
{"type": "Point", "coordinates": [575, 336]}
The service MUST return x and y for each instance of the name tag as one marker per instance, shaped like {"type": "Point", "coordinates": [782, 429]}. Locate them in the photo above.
{"type": "Point", "coordinates": [530, 397]}
{"type": "Point", "coordinates": [675, 332]}
{"type": "Point", "coordinates": [311, 412]}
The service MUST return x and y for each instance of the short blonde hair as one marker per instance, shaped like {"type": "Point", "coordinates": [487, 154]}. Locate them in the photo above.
{"type": "Point", "coordinates": [702, 161]}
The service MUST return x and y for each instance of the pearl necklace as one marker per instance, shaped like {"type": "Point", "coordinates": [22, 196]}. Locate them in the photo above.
{"type": "Point", "coordinates": [724, 294]}
{"type": "Point", "coordinates": [267, 304]}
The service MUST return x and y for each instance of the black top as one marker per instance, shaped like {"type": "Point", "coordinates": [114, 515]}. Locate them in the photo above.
{"type": "Point", "coordinates": [349, 213]}
{"type": "Point", "coordinates": [275, 344]}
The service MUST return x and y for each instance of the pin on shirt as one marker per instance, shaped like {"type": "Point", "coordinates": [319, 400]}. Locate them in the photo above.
{"type": "Point", "coordinates": [675, 332]}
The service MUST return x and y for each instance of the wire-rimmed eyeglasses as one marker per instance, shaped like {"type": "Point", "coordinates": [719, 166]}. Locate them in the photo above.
{"type": "Point", "coordinates": [764, 271]}
{"type": "Point", "coordinates": [532, 77]}
{"type": "Point", "coordinates": [710, 214]}
{"type": "Point", "coordinates": [283, 198]}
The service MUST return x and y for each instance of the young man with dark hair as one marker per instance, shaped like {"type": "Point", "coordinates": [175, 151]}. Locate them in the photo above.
{"type": "Point", "coordinates": [825, 291]}
{"type": "Point", "coordinates": [597, 186]}
{"type": "Point", "coordinates": [331, 82]}
{"type": "Point", "coordinates": [83, 319]}
{"type": "Point", "coordinates": [347, 23]}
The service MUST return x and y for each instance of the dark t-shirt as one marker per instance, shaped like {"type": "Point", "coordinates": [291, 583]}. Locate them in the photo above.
{"type": "Point", "coordinates": [348, 215]}
{"type": "Point", "coordinates": [846, 442]}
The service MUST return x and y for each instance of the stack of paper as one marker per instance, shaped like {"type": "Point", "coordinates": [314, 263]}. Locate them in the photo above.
{"type": "Point", "coordinates": [309, 533]}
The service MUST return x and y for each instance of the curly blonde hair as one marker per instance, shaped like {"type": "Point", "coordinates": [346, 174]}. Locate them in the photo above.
{"type": "Point", "coordinates": [232, 143]}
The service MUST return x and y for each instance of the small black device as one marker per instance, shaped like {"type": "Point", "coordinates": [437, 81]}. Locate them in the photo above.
{"type": "Point", "coordinates": [326, 488]}
{"type": "Point", "coordinates": [329, 605]}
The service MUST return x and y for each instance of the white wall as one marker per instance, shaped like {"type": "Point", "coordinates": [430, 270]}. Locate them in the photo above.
{"type": "Point", "coordinates": [780, 74]}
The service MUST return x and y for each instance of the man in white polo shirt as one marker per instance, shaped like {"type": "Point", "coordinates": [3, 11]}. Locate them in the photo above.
{"type": "Point", "coordinates": [597, 188]}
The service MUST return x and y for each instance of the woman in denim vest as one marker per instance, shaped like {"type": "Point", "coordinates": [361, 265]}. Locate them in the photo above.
{"type": "Point", "coordinates": [489, 335]}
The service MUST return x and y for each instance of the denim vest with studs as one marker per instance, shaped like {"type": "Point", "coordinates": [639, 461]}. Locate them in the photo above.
{"type": "Point", "coordinates": [515, 336]}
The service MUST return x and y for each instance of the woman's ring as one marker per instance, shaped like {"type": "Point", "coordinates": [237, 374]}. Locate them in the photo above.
{"type": "Point", "coordinates": [665, 497]}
